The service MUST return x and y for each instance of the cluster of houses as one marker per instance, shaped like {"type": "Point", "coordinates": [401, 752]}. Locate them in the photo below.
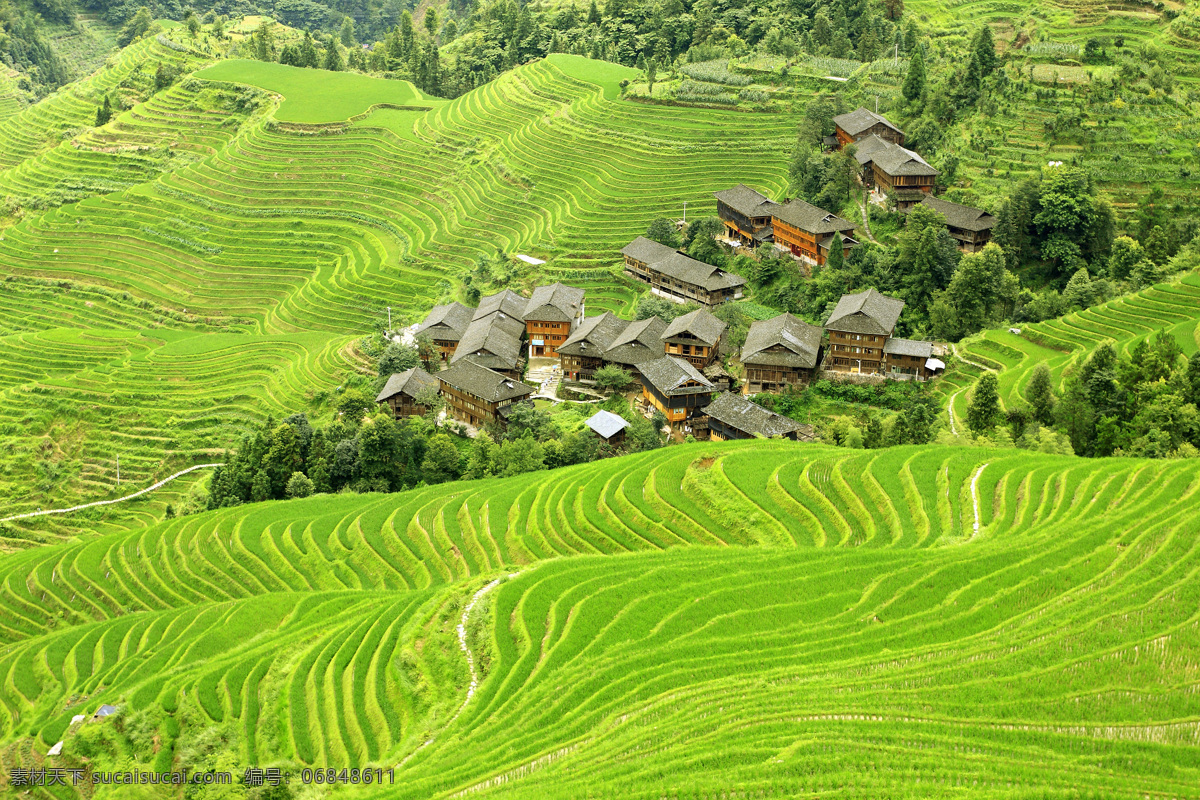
{"type": "Point", "coordinates": [889, 170]}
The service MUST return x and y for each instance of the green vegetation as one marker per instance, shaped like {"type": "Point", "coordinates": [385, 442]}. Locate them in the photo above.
{"type": "Point", "coordinates": [723, 611]}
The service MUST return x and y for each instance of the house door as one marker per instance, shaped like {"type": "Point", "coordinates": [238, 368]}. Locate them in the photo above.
{"type": "Point", "coordinates": [856, 366]}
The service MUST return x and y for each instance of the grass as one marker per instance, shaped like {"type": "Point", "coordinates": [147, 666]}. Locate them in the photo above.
{"type": "Point", "coordinates": [765, 618]}
{"type": "Point", "coordinates": [314, 95]}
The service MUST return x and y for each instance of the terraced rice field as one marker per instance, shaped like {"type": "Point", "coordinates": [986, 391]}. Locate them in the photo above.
{"type": "Point", "coordinates": [745, 619]}
{"type": "Point", "coordinates": [1068, 341]}
{"type": "Point", "coordinates": [199, 212]}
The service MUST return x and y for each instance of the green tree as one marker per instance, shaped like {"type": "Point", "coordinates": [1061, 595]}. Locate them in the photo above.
{"type": "Point", "coordinates": [651, 74]}
{"type": "Point", "coordinates": [354, 404]}
{"type": "Point", "coordinates": [347, 33]}
{"type": "Point", "coordinates": [397, 357]}
{"type": "Point", "coordinates": [662, 231]}
{"type": "Point", "coordinates": [431, 22]}
{"type": "Point", "coordinates": [1040, 395]}
{"type": "Point", "coordinates": [981, 293]}
{"type": "Point", "coordinates": [984, 409]}
{"type": "Point", "coordinates": [1156, 246]}
{"type": "Point", "coordinates": [104, 112]}
{"type": "Point", "coordinates": [837, 257]}
{"type": "Point", "coordinates": [264, 41]}
{"type": "Point", "coordinates": [135, 27]}
{"type": "Point", "coordinates": [308, 52]}
{"type": "Point", "coordinates": [333, 58]}
{"type": "Point", "coordinates": [482, 463]}
{"type": "Point", "coordinates": [612, 378]}
{"type": "Point", "coordinates": [193, 24]}
{"type": "Point", "coordinates": [984, 50]}
{"type": "Point", "coordinates": [441, 460]}
{"type": "Point", "coordinates": [1126, 253]}
{"type": "Point", "coordinates": [218, 26]}
{"type": "Point", "coordinates": [299, 486]}
{"type": "Point", "coordinates": [518, 456]}
{"type": "Point", "coordinates": [914, 80]}
{"type": "Point", "coordinates": [260, 489]}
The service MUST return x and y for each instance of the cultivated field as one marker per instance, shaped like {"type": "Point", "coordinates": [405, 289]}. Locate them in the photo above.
{"type": "Point", "coordinates": [765, 619]}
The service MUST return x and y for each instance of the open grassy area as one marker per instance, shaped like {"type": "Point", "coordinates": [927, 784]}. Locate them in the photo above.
{"type": "Point", "coordinates": [315, 95]}
{"type": "Point", "coordinates": [767, 619]}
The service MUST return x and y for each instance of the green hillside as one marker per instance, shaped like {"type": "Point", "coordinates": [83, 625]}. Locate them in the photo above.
{"type": "Point", "coordinates": [295, 244]}
{"type": "Point", "coordinates": [745, 619]}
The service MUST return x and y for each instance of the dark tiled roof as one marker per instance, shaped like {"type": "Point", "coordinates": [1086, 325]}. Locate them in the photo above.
{"type": "Point", "coordinates": [680, 267]}
{"type": "Point", "coordinates": [808, 217]}
{"type": "Point", "coordinates": [746, 201]}
{"type": "Point", "coordinates": [646, 250]}
{"type": "Point", "coordinates": [640, 341]}
{"type": "Point", "coordinates": [668, 374]}
{"type": "Point", "coordinates": [447, 322]}
{"type": "Point", "coordinates": [738, 412]}
{"type": "Point", "coordinates": [606, 423]}
{"type": "Point", "coordinates": [800, 341]}
{"type": "Point", "coordinates": [859, 120]}
{"type": "Point", "coordinates": [508, 302]}
{"type": "Point", "coordinates": [958, 216]}
{"type": "Point", "coordinates": [554, 303]}
{"type": "Point", "coordinates": [908, 347]}
{"type": "Point", "coordinates": [701, 323]}
{"type": "Point", "coordinates": [468, 375]}
{"type": "Point", "coordinates": [865, 312]}
{"type": "Point", "coordinates": [891, 158]}
{"type": "Point", "coordinates": [493, 341]}
{"type": "Point", "coordinates": [410, 382]}
{"type": "Point", "coordinates": [593, 336]}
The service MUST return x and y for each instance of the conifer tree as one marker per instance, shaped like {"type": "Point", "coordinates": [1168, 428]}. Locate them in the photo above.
{"type": "Point", "coordinates": [984, 408]}
{"type": "Point", "coordinates": [104, 113]}
{"type": "Point", "coordinates": [1041, 395]}
{"type": "Point", "coordinates": [985, 51]}
{"type": "Point", "coordinates": [333, 58]}
{"type": "Point", "coordinates": [914, 81]}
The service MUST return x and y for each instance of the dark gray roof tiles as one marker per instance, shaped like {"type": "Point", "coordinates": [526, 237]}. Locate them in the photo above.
{"type": "Point", "coordinates": [782, 341]}
{"type": "Point", "coordinates": [554, 303]}
{"type": "Point", "coordinates": [866, 312]}
{"type": "Point", "coordinates": [737, 412]}
{"type": "Point", "coordinates": [508, 302]}
{"type": "Point", "coordinates": [492, 339]}
{"type": "Point", "coordinates": [960, 216]}
{"type": "Point", "coordinates": [701, 324]}
{"type": "Point", "coordinates": [669, 374]}
{"type": "Point", "coordinates": [640, 341]}
{"type": "Point", "coordinates": [411, 382]}
{"type": "Point", "coordinates": [680, 267]}
{"type": "Point", "coordinates": [908, 347]}
{"type": "Point", "coordinates": [808, 217]}
{"type": "Point", "coordinates": [891, 158]}
{"type": "Point", "coordinates": [646, 250]}
{"type": "Point", "coordinates": [746, 201]}
{"type": "Point", "coordinates": [468, 375]}
{"type": "Point", "coordinates": [593, 336]}
{"type": "Point", "coordinates": [447, 322]}
{"type": "Point", "coordinates": [861, 119]}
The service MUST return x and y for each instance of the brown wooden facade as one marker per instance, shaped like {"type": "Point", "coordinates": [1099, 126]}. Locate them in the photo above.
{"type": "Point", "coordinates": [550, 334]}
{"type": "Point", "coordinates": [471, 409]}
{"type": "Point", "coordinates": [804, 244]}
{"type": "Point", "coordinates": [692, 350]}
{"type": "Point", "coordinates": [680, 405]}
{"type": "Point", "coordinates": [404, 406]}
{"type": "Point", "coordinates": [856, 352]}
{"type": "Point", "coordinates": [905, 190]}
{"type": "Point", "coordinates": [774, 378]}
{"type": "Point", "coordinates": [880, 129]}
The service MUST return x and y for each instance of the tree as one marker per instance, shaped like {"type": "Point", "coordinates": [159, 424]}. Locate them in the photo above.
{"type": "Point", "coordinates": [354, 404]}
{"type": "Point", "coordinates": [260, 489]}
{"type": "Point", "coordinates": [984, 51]}
{"type": "Point", "coordinates": [981, 293]}
{"type": "Point", "coordinates": [333, 58]}
{"type": "Point", "coordinates": [984, 409]}
{"type": "Point", "coordinates": [1126, 253]}
{"type": "Point", "coordinates": [347, 33]}
{"type": "Point", "coordinates": [431, 22]}
{"type": "Point", "coordinates": [193, 24]}
{"type": "Point", "coordinates": [104, 113]}
{"type": "Point", "coordinates": [308, 52]}
{"type": "Point", "coordinates": [1191, 392]}
{"type": "Point", "coordinates": [837, 257]}
{"type": "Point", "coordinates": [299, 486]}
{"type": "Point", "coordinates": [441, 460]}
{"type": "Point", "coordinates": [482, 463]}
{"type": "Point", "coordinates": [651, 74]}
{"type": "Point", "coordinates": [136, 27]}
{"type": "Point", "coordinates": [1040, 395]}
{"type": "Point", "coordinates": [397, 357]}
{"type": "Point", "coordinates": [893, 8]}
{"type": "Point", "coordinates": [914, 80]}
{"type": "Point", "coordinates": [264, 41]}
{"type": "Point", "coordinates": [662, 231]}
{"type": "Point", "coordinates": [218, 26]}
{"type": "Point", "coordinates": [518, 456]}
{"type": "Point", "coordinates": [612, 378]}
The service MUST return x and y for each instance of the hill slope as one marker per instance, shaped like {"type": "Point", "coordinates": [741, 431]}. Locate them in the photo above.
{"type": "Point", "coordinates": [760, 618]}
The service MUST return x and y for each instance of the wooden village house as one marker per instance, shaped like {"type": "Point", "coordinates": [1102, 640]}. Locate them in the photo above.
{"type": "Point", "coordinates": [583, 352]}
{"type": "Point", "coordinates": [493, 339]}
{"type": "Point", "coordinates": [639, 342]}
{"type": "Point", "coordinates": [404, 390]}
{"type": "Point", "coordinates": [970, 228]}
{"type": "Point", "coordinates": [861, 123]}
{"type": "Point", "coordinates": [807, 232]}
{"type": "Point", "coordinates": [445, 326]}
{"type": "Point", "coordinates": [608, 427]}
{"type": "Point", "coordinates": [780, 352]}
{"type": "Point", "coordinates": [746, 215]}
{"type": "Point", "coordinates": [551, 314]}
{"type": "Point", "coordinates": [894, 172]}
{"type": "Point", "coordinates": [477, 395]}
{"type": "Point", "coordinates": [859, 327]}
{"type": "Point", "coordinates": [732, 416]}
{"type": "Point", "coordinates": [678, 390]}
{"type": "Point", "coordinates": [678, 277]}
{"type": "Point", "coordinates": [694, 337]}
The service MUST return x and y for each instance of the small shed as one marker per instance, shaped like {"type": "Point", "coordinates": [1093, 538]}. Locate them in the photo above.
{"type": "Point", "coordinates": [105, 711]}
{"type": "Point", "coordinates": [608, 426]}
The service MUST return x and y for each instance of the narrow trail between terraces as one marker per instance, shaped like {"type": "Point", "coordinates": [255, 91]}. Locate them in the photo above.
{"type": "Point", "coordinates": [161, 483]}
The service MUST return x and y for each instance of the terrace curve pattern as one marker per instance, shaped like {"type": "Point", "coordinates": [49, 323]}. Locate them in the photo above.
{"type": "Point", "coordinates": [199, 263]}
{"type": "Point", "coordinates": [744, 619]}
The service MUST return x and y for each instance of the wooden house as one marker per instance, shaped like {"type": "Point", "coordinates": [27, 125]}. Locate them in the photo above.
{"type": "Point", "coordinates": [859, 327]}
{"type": "Point", "coordinates": [550, 315]}
{"type": "Point", "coordinates": [861, 123]}
{"type": "Point", "coordinates": [403, 390]}
{"type": "Point", "coordinates": [891, 170]}
{"type": "Point", "coordinates": [908, 357]}
{"type": "Point", "coordinates": [583, 352]}
{"type": "Point", "coordinates": [609, 427]}
{"type": "Point", "coordinates": [477, 395]}
{"type": "Point", "coordinates": [445, 326]}
{"type": "Point", "coordinates": [732, 416]}
{"type": "Point", "coordinates": [677, 389]}
{"type": "Point", "coordinates": [493, 339]}
{"type": "Point", "coordinates": [746, 215]}
{"type": "Point", "coordinates": [807, 232]}
{"type": "Point", "coordinates": [970, 228]}
{"type": "Point", "coordinates": [639, 342]}
{"type": "Point", "coordinates": [678, 277]}
{"type": "Point", "coordinates": [694, 337]}
{"type": "Point", "coordinates": [780, 352]}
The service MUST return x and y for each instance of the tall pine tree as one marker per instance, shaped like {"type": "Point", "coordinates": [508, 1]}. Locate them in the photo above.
{"type": "Point", "coordinates": [914, 81]}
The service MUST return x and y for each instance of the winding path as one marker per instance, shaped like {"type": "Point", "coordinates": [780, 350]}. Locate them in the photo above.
{"type": "Point", "coordinates": [862, 207]}
{"type": "Point", "coordinates": [975, 495]}
{"type": "Point", "coordinates": [163, 482]}
{"type": "Point", "coordinates": [950, 411]}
